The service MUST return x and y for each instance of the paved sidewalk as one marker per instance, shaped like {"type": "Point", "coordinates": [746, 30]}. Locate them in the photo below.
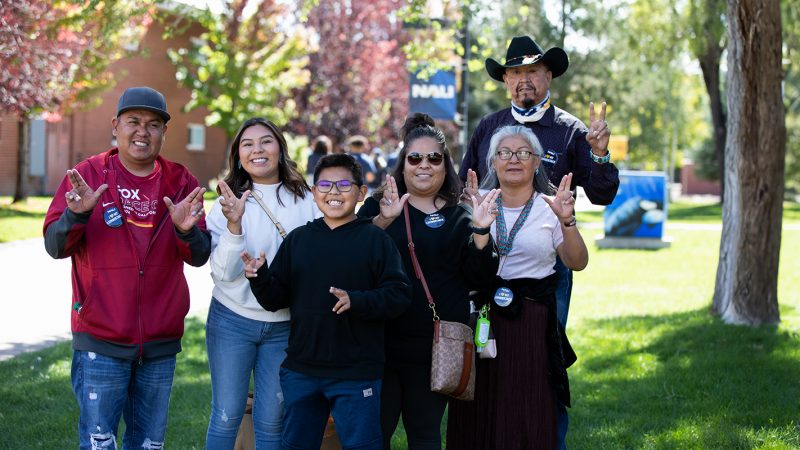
{"type": "Point", "coordinates": [37, 291]}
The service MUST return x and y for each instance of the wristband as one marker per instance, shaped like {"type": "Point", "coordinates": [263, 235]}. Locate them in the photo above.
{"type": "Point", "coordinates": [570, 223]}
{"type": "Point", "coordinates": [600, 159]}
{"type": "Point", "coordinates": [481, 231]}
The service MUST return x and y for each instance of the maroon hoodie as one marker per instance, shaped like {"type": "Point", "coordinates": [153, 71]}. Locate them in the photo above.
{"type": "Point", "coordinates": [121, 306]}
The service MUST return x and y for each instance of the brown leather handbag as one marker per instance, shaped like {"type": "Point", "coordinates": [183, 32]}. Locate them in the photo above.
{"type": "Point", "coordinates": [453, 353]}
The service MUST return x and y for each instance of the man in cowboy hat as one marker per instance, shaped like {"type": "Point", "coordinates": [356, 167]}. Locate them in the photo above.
{"type": "Point", "coordinates": [569, 146]}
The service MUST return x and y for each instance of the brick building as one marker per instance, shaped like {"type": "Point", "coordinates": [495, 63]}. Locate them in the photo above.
{"type": "Point", "coordinates": [62, 144]}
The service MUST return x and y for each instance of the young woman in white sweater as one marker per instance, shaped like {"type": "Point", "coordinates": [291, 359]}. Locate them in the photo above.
{"type": "Point", "coordinates": [242, 338]}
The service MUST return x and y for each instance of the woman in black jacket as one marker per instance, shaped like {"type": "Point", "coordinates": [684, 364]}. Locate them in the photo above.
{"type": "Point", "coordinates": [456, 255]}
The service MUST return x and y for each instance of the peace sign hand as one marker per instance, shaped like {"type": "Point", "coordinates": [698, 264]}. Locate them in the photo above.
{"type": "Point", "coordinates": [599, 132]}
{"type": "Point", "coordinates": [563, 203]}
{"type": "Point", "coordinates": [471, 189]}
{"type": "Point", "coordinates": [188, 211]}
{"type": "Point", "coordinates": [392, 204]}
{"type": "Point", "coordinates": [484, 214]}
{"type": "Point", "coordinates": [251, 265]}
{"type": "Point", "coordinates": [232, 207]}
{"type": "Point", "coordinates": [81, 198]}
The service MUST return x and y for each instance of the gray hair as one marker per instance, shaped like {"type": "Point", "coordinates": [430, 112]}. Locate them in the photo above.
{"type": "Point", "coordinates": [541, 182]}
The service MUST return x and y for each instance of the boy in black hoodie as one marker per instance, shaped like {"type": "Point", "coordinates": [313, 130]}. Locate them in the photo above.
{"type": "Point", "coordinates": [342, 277]}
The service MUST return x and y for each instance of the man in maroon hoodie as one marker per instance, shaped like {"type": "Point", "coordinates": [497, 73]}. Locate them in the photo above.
{"type": "Point", "coordinates": [129, 219]}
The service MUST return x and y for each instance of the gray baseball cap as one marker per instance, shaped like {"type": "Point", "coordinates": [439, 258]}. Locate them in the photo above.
{"type": "Point", "coordinates": [145, 98]}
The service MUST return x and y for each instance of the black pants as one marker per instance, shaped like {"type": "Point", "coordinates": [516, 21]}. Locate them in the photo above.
{"type": "Point", "coordinates": [407, 391]}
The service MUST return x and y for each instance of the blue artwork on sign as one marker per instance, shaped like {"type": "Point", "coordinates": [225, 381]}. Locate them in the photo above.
{"type": "Point", "coordinates": [435, 96]}
{"type": "Point", "coordinates": [640, 207]}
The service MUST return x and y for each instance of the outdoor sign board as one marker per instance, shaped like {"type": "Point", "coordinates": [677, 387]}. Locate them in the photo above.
{"type": "Point", "coordinates": [640, 207]}
{"type": "Point", "coordinates": [435, 96]}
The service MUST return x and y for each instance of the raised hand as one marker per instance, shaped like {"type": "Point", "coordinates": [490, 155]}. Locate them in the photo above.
{"type": "Point", "coordinates": [563, 203]}
{"type": "Point", "coordinates": [344, 300]}
{"type": "Point", "coordinates": [471, 188]}
{"type": "Point", "coordinates": [392, 203]}
{"type": "Point", "coordinates": [81, 198]}
{"type": "Point", "coordinates": [232, 207]}
{"type": "Point", "coordinates": [598, 130]}
{"type": "Point", "coordinates": [188, 211]}
{"type": "Point", "coordinates": [251, 265]}
{"type": "Point", "coordinates": [486, 210]}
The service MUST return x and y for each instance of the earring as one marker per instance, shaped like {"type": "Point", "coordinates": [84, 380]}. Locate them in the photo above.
{"type": "Point", "coordinates": [239, 164]}
{"type": "Point", "coordinates": [537, 171]}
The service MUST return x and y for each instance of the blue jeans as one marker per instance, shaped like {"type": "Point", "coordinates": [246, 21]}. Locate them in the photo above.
{"type": "Point", "coordinates": [107, 388]}
{"type": "Point", "coordinates": [354, 404]}
{"type": "Point", "coordinates": [563, 295]}
{"type": "Point", "coordinates": [238, 347]}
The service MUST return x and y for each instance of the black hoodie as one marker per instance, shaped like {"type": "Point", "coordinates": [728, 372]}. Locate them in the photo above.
{"type": "Point", "coordinates": [357, 257]}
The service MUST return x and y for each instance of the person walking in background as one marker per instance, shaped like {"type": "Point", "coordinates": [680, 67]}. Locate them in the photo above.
{"type": "Point", "coordinates": [568, 145]}
{"type": "Point", "coordinates": [129, 219]}
{"type": "Point", "coordinates": [357, 147]}
{"type": "Point", "coordinates": [456, 254]}
{"type": "Point", "coordinates": [242, 338]}
{"type": "Point", "coordinates": [517, 394]}
{"type": "Point", "coordinates": [321, 146]}
{"type": "Point", "coordinates": [343, 278]}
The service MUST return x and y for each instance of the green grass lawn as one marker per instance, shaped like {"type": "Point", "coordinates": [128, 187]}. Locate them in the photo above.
{"type": "Point", "coordinates": [22, 220]}
{"type": "Point", "coordinates": [654, 369]}
{"type": "Point", "coordinates": [683, 211]}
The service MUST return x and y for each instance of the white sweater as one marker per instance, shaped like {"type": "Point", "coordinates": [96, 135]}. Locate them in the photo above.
{"type": "Point", "coordinates": [259, 234]}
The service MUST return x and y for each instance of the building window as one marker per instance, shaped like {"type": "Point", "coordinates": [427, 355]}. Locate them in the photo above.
{"type": "Point", "coordinates": [197, 137]}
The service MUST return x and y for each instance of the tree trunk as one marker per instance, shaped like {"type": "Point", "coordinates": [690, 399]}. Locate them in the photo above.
{"type": "Point", "coordinates": [23, 155]}
{"type": "Point", "coordinates": [746, 290]}
{"type": "Point", "coordinates": [709, 64]}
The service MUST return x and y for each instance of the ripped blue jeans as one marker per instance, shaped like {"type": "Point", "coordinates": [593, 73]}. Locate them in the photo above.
{"type": "Point", "coordinates": [108, 388]}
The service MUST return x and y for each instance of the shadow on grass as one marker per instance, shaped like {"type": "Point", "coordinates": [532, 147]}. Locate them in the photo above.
{"type": "Point", "coordinates": [37, 405]}
{"type": "Point", "coordinates": [684, 381]}
{"type": "Point", "coordinates": [11, 212]}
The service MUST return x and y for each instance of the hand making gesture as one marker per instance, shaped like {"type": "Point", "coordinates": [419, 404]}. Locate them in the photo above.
{"type": "Point", "coordinates": [471, 189]}
{"type": "Point", "coordinates": [232, 207]}
{"type": "Point", "coordinates": [81, 198]}
{"type": "Point", "coordinates": [392, 203]}
{"type": "Point", "coordinates": [343, 303]}
{"type": "Point", "coordinates": [188, 211]}
{"type": "Point", "coordinates": [563, 203]}
{"type": "Point", "coordinates": [486, 210]}
{"type": "Point", "coordinates": [251, 265]}
{"type": "Point", "coordinates": [598, 131]}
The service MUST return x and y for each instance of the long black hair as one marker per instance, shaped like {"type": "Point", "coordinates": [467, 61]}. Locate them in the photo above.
{"type": "Point", "coordinates": [422, 126]}
{"type": "Point", "coordinates": [239, 180]}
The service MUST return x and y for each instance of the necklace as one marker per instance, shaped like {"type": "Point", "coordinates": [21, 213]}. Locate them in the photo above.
{"type": "Point", "coordinates": [506, 242]}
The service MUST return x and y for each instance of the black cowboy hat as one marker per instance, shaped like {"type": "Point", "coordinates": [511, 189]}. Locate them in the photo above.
{"type": "Point", "coordinates": [523, 51]}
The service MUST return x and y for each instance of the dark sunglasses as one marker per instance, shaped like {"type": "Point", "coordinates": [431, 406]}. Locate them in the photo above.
{"type": "Point", "coordinates": [435, 158]}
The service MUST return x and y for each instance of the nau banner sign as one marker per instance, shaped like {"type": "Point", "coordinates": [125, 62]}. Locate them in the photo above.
{"type": "Point", "coordinates": [435, 96]}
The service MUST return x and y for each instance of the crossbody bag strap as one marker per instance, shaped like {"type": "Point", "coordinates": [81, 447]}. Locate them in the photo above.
{"type": "Point", "coordinates": [420, 275]}
{"type": "Point", "coordinates": [270, 215]}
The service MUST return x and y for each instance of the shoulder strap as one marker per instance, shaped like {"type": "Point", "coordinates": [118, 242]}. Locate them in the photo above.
{"type": "Point", "coordinates": [271, 216]}
{"type": "Point", "coordinates": [419, 274]}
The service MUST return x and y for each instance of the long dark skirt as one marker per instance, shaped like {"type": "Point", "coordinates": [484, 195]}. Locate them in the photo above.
{"type": "Point", "coordinates": [514, 406]}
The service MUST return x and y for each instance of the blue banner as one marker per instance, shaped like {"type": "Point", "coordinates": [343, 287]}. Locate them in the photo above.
{"type": "Point", "coordinates": [435, 96]}
{"type": "Point", "coordinates": [640, 207]}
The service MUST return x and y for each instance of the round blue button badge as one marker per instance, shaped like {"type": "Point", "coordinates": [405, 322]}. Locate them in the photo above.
{"type": "Point", "coordinates": [112, 217]}
{"type": "Point", "coordinates": [434, 220]}
{"type": "Point", "coordinates": [503, 296]}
